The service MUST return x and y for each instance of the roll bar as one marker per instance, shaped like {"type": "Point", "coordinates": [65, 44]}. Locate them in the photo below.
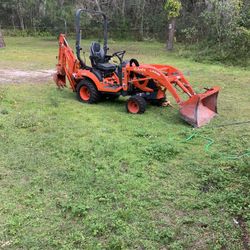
{"type": "Point", "coordinates": [78, 32]}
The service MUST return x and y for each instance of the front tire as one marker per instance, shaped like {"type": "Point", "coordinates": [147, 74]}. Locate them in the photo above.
{"type": "Point", "coordinates": [87, 92]}
{"type": "Point", "coordinates": [136, 105]}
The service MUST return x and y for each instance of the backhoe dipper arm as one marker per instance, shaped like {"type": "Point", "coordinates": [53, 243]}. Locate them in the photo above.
{"type": "Point", "coordinates": [67, 64]}
{"type": "Point", "coordinates": [78, 33]}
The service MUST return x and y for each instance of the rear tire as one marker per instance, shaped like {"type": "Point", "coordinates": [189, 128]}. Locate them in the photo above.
{"type": "Point", "coordinates": [136, 105]}
{"type": "Point", "coordinates": [87, 92]}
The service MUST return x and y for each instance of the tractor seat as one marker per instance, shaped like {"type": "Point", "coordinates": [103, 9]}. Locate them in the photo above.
{"type": "Point", "coordinates": [106, 67]}
{"type": "Point", "coordinates": [99, 59]}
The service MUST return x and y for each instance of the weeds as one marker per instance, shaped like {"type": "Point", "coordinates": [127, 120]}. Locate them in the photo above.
{"type": "Point", "coordinates": [161, 152]}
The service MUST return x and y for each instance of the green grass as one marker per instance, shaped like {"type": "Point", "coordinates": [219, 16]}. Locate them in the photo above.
{"type": "Point", "coordinates": [75, 176]}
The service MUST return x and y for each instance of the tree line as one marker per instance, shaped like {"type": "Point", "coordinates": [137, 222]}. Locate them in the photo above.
{"type": "Point", "coordinates": [219, 29]}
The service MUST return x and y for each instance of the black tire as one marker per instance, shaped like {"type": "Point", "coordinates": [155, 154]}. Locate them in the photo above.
{"type": "Point", "coordinates": [93, 94]}
{"type": "Point", "coordinates": [136, 105]}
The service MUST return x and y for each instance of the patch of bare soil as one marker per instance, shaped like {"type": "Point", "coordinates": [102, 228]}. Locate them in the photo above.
{"type": "Point", "coordinates": [8, 76]}
{"type": "Point", "coordinates": [244, 234]}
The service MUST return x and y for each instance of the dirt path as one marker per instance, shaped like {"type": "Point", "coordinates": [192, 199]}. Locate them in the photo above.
{"type": "Point", "coordinates": [8, 76]}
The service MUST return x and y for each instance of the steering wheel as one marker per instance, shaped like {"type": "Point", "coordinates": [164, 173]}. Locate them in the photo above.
{"type": "Point", "coordinates": [134, 61]}
{"type": "Point", "coordinates": [119, 55]}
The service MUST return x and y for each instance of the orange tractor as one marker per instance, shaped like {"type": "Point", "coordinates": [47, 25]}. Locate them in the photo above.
{"type": "Point", "coordinates": [143, 83]}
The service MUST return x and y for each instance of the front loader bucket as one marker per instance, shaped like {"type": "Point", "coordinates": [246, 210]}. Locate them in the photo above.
{"type": "Point", "coordinates": [200, 108]}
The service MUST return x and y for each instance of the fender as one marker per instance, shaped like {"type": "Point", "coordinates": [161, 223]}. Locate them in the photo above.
{"type": "Point", "coordinates": [101, 86]}
{"type": "Point", "coordinates": [83, 73]}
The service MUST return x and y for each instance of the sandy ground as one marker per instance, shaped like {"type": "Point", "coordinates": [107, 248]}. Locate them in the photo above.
{"type": "Point", "coordinates": [8, 76]}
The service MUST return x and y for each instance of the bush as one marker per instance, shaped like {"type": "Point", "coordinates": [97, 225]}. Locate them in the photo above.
{"type": "Point", "coordinates": [26, 33]}
{"type": "Point", "coordinates": [238, 46]}
{"type": "Point", "coordinates": [234, 50]}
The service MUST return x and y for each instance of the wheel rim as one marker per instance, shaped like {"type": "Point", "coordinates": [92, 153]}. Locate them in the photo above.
{"type": "Point", "coordinates": [133, 107]}
{"type": "Point", "coordinates": [84, 93]}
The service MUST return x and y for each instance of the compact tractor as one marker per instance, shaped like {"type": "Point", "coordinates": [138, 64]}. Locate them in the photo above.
{"type": "Point", "coordinates": [143, 83]}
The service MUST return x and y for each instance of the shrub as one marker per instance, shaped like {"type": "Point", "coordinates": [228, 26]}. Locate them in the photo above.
{"type": "Point", "coordinates": [238, 46]}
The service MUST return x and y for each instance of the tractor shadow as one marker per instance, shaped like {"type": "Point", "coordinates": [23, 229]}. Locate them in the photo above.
{"type": "Point", "coordinates": [119, 104]}
{"type": "Point", "coordinates": [167, 114]}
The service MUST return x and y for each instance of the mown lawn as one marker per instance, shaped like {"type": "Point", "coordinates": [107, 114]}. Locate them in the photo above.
{"type": "Point", "coordinates": [75, 176]}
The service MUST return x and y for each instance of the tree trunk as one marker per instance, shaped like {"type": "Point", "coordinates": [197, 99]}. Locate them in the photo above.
{"type": "Point", "coordinates": [13, 22]}
{"type": "Point", "coordinates": [42, 8]}
{"type": "Point", "coordinates": [98, 5]}
{"type": "Point", "coordinates": [21, 21]}
{"type": "Point", "coordinates": [209, 5]}
{"type": "Point", "coordinates": [123, 11]}
{"type": "Point", "coordinates": [123, 8]}
{"type": "Point", "coordinates": [2, 43]}
{"type": "Point", "coordinates": [141, 28]}
{"type": "Point", "coordinates": [171, 31]}
{"type": "Point", "coordinates": [20, 15]}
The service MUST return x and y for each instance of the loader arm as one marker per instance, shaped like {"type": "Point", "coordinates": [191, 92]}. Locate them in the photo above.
{"type": "Point", "coordinates": [165, 80]}
{"type": "Point", "coordinates": [198, 109]}
{"type": "Point", "coordinates": [171, 71]}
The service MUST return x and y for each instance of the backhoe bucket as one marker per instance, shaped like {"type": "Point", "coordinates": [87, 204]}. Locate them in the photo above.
{"type": "Point", "coordinates": [200, 108]}
{"type": "Point", "coordinates": [60, 80]}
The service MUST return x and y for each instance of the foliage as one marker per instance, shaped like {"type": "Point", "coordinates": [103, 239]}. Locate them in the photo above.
{"type": "Point", "coordinates": [218, 30]}
{"type": "Point", "coordinates": [222, 20]}
{"type": "Point", "coordinates": [238, 46]}
{"type": "Point", "coordinates": [172, 7]}
{"type": "Point", "coordinates": [208, 28]}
